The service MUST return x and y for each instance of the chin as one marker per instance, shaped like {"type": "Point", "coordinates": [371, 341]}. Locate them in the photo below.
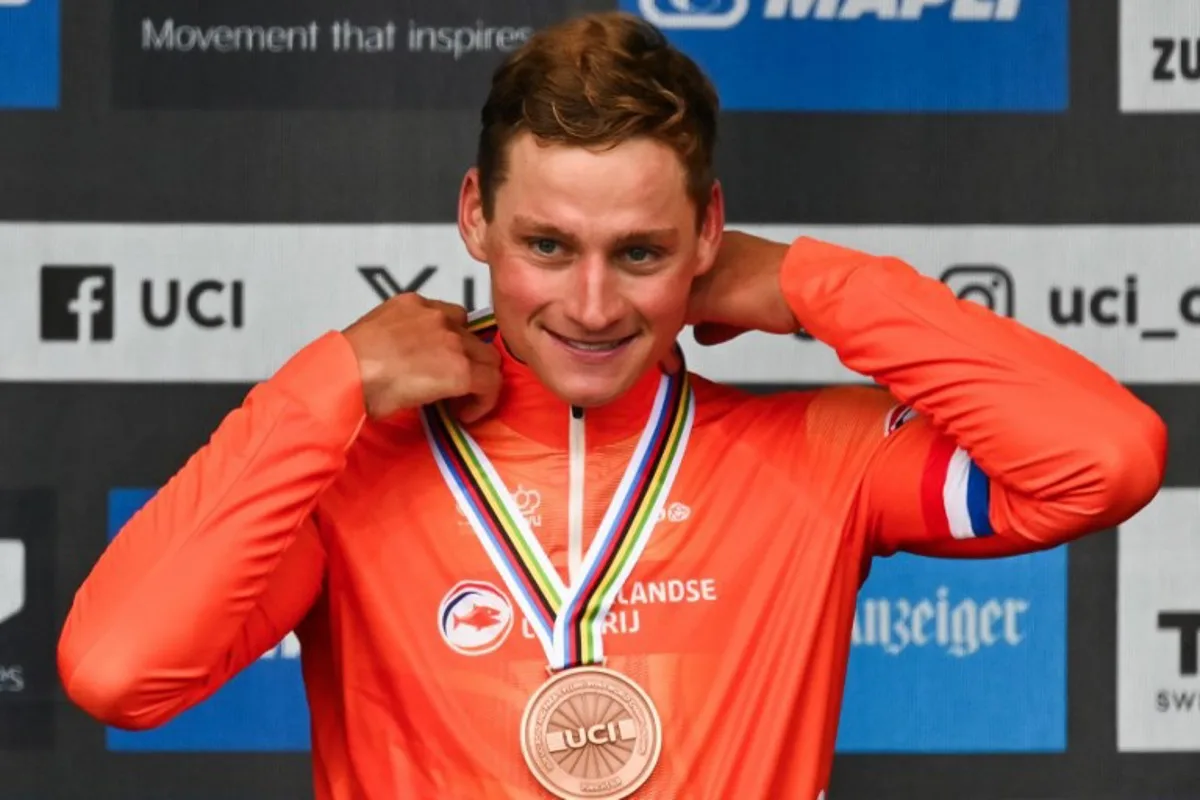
{"type": "Point", "coordinates": [588, 391]}
{"type": "Point", "coordinates": [592, 396]}
{"type": "Point", "coordinates": [587, 383]}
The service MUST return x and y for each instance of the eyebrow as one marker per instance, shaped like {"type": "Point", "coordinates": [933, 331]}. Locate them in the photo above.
{"type": "Point", "coordinates": [538, 227]}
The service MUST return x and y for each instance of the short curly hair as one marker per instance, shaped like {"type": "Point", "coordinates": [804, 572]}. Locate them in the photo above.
{"type": "Point", "coordinates": [595, 81]}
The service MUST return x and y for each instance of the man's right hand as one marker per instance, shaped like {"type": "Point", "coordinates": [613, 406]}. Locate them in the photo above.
{"type": "Point", "coordinates": [413, 351]}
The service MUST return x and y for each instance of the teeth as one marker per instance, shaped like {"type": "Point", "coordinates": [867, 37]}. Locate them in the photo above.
{"type": "Point", "coordinates": [594, 346]}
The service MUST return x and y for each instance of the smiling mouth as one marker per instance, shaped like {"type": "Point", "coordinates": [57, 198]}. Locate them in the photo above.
{"type": "Point", "coordinates": [600, 346]}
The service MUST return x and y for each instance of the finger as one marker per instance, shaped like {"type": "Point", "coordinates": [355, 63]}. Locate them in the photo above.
{"type": "Point", "coordinates": [697, 307]}
{"type": "Point", "coordinates": [485, 383]}
{"type": "Point", "coordinates": [479, 351]}
{"type": "Point", "coordinates": [485, 391]}
{"type": "Point", "coordinates": [471, 409]}
{"type": "Point", "coordinates": [711, 333]}
{"type": "Point", "coordinates": [671, 362]}
{"type": "Point", "coordinates": [456, 314]}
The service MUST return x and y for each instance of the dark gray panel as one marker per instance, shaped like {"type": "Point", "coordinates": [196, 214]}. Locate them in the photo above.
{"type": "Point", "coordinates": [357, 54]}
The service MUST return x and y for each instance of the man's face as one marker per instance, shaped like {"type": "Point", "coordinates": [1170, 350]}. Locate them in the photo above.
{"type": "Point", "coordinates": [592, 257]}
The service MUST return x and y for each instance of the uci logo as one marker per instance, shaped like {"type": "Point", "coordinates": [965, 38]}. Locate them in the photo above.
{"type": "Point", "coordinates": [475, 618]}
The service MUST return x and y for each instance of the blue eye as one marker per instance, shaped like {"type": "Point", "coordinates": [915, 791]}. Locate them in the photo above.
{"type": "Point", "coordinates": [546, 247]}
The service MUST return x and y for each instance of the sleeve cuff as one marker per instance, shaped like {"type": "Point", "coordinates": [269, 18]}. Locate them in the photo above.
{"type": "Point", "coordinates": [814, 278]}
{"type": "Point", "coordinates": [812, 265]}
{"type": "Point", "coordinates": [324, 378]}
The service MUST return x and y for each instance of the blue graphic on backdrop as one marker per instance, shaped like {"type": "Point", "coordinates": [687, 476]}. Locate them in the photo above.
{"type": "Point", "coordinates": [262, 708]}
{"type": "Point", "coordinates": [959, 657]}
{"type": "Point", "coordinates": [29, 54]}
{"type": "Point", "coordinates": [874, 55]}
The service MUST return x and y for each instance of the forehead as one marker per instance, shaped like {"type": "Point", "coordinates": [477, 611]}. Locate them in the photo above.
{"type": "Point", "coordinates": [637, 184]}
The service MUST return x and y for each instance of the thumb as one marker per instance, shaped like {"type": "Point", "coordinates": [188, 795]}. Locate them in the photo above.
{"type": "Point", "coordinates": [671, 362]}
{"type": "Point", "coordinates": [711, 333]}
{"type": "Point", "coordinates": [482, 397]}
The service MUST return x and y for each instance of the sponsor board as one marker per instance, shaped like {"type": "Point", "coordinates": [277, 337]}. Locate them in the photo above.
{"type": "Point", "coordinates": [233, 302]}
{"type": "Point", "coordinates": [29, 54]}
{"type": "Point", "coordinates": [224, 54]}
{"type": "Point", "coordinates": [874, 55]}
{"type": "Point", "coordinates": [978, 647]}
{"type": "Point", "coordinates": [29, 681]}
{"type": "Point", "coordinates": [1158, 626]}
{"type": "Point", "coordinates": [262, 708]}
{"type": "Point", "coordinates": [1160, 56]}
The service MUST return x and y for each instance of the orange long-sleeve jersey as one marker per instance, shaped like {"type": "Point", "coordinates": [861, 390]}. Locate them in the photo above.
{"type": "Point", "coordinates": [983, 439]}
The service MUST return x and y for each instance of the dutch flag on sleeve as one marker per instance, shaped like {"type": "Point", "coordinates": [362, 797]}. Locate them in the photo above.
{"type": "Point", "coordinates": [954, 493]}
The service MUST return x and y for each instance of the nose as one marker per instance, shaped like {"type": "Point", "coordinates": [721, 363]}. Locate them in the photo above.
{"type": "Point", "coordinates": [594, 302]}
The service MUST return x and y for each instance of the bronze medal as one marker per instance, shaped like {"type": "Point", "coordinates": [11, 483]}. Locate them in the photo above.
{"type": "Point", "coordinates": [590, 732]}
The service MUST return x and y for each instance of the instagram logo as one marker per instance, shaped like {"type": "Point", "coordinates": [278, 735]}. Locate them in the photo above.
{"type": "Point", "coordinates": [986, 284]}
{"type": "Point", "coordinates": [695, 14]}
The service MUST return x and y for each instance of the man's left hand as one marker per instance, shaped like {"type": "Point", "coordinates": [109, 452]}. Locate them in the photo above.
{"type": "Point", "coordinates": [741, 292]}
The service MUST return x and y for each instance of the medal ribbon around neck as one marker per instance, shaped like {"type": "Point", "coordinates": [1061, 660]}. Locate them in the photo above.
{"type": "Point", "coordinates": [568, 621]}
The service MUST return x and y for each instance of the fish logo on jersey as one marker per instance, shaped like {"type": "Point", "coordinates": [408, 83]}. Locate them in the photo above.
{"type": "Point", "coordinates": [475, 618]}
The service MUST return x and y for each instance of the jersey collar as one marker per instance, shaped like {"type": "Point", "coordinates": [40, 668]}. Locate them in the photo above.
{"type": "Point", "coordinates": [533, 411]}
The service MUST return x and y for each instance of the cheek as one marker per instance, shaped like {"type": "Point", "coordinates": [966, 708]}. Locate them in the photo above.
{"type": "Point", "coordinates": [660, 298]}
{"type": "Point", "coordinates": [520, 286]}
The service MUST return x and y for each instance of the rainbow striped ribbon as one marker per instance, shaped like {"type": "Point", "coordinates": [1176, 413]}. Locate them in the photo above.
{"type": "Point", "coordinates": [569, 621]}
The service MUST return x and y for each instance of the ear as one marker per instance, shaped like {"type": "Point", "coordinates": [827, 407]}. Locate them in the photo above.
{"type": "Point", "coordinates": [471, 224]}
{"type": "Point", "coordinates": [711, 230]}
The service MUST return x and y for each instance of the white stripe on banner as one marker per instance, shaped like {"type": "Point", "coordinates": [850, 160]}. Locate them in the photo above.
{"type": "Point", "coordinates": [216, 302]}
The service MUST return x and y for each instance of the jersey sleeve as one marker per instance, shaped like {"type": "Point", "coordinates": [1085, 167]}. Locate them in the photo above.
{"type": "Point", "coordinates": [225, 559]}
{"type": "Point", "coordinates": [986, 438]}
{"type": "Point", "coordinates": [924, 493]}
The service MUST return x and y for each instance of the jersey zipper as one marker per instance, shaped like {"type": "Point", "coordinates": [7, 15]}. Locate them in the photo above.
{"type": "Point", "coordinates": [575, 469]}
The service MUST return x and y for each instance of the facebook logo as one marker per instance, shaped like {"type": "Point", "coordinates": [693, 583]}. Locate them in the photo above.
{"type": "Point", "coordinates": [29, 54]}
{"type": "Point", "coordinates": [959, 657]}
{"type": "Point", "coordinates": [873, 55]}
{"type": "Point", "coordinates": [262, 708]}
{"type": "Point", "coordinates": [77, 304]}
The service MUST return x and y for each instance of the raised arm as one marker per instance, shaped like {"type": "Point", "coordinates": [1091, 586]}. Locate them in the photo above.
{"type": "Point", "coordinates": [1018, 443]}
{"type": "Point", "coordinates": [225, 559]}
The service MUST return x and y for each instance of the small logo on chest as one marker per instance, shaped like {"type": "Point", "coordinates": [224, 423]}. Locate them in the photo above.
{"type": "Point", "coordinates": [676, 512]}
{"type": "Point", "coordinates": [475, 618]}
{"type": "Point", "coordinates": [528, 502]}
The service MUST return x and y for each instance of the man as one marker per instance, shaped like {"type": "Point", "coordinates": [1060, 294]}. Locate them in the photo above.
{"type": "Point", "coordinates": [445, 509]}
